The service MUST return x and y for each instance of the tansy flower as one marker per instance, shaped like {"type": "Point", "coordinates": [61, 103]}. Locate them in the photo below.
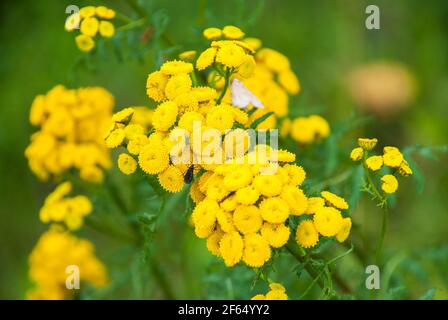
{"type": "Point", "coordinates": [231, 248]}
{"type": "Point", "coordinates": [232, 32]}
{"type": "Point", "coordinates": [277, 234]}
{"type": "Point", "coordinates": [225, 221]}
{"type": "Point", "coordinates": [230, 203]}
{"type": "Point", "coordinates": [153, 158]}
{"type": "Point", "coordinates": [246, 69]}
{"type": "Point", "coordinates": [220, 117]}
{"type": "Point", "coordinates": [357, 154]}
{"type": "Point", "coordinates": [137, 142]}
{"type": "Point", "coordinates": [87, 12]}
{"type": "Point", "coordinates": [295, 198]}
{"type": "Point", "coordinates": [276, 292]}
{"type": "Point", "coordinates": [374, 163]}
{"type": "Point", "coordinates": [178, 85]}
{"type": "Point", "coordinates": [389, 183]}
{"type": "Point", "coordinates": [171, 179]}
{"type": "Point", "coordinates": [258, 297]}
{"type": "Point", "coordinates": [306, 234]}
{"type": "Point", "coordinates": [231, 55]}
{"type": "Point", "coordinates": [213, 241]}
{"type": "Point", "coordinates": [165, 116]}
{"type": "Point", "coordinates": [254, 43]}
{"type": "Point", "coordinates": [187, 55]}
{"type": "Point", "coordinates": [126, 163]}
{"type": "Point", "coordinates": [123, 116]}
{"type": "Point", "coordinates": [328, 221]}
{"type": "Point", "coordinates": [84, 42]}
{"type": "Point", "coordinates": [115, 138]}
{"type": "Point", "coordinates": [392, 157]}
{"type": "Point", "coordinates": [238, 178]}
{"type": "Point", "coordinates": [195, 193]}
{"type": "Point", "coordinates": [314, 203]}
{"type": "Point", "coordinates": [296, 174]}
{"type": "Point", "coordinates": [289, 81]}
{"type": "Point", "coordinates": [155, 85]}
{"type": "Point", "coordinates": [247, 195]}
{"type": "Point", "coordinates": [206, 58]}
{"type": "Point", "coordinates": [247, 219]}
{"type": "Point", "coordinates": [274, 210]}
{"type": "Point", "coordinates": [343, 234]}
{"type": "Point", "coordinates": [212, 33]}
{"type": "Point", "coordinates": [268, 185]}
{"type": "Point", "coordinates": [334, 200]}
{"type": "Point", "coordinates": [187, 102]}
{"type": "Point", "coordinates": [89, 26]}
{"type": "Point", "coordinates": [104, 12]}
{"type": "Point", "coordinates": [282, 156]}
{"type": "Point", "coordinates": [188, 118]}
{"type": "Point", "coordinates": [302, 131]}
{"type": "Point", "coordinates": [367, 144]}
{"type": "Point", "coordinates": [106, 29]}
{"type": "Point", "coordinates": [204, 93]}
{"type": "Point", "coordinates": [175, 67]}
{"type": "Point", "coordinates": [404, 169]}
{"type": "Point", "coordinates": [132, 130]}
{"type": "Point", "coordinates": [256, 250]}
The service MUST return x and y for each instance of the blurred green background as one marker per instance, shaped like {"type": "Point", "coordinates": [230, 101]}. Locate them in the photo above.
{"type": "Point", "coordinates": [324, 40]}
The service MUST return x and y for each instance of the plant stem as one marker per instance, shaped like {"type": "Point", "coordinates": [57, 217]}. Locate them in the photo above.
{"type": "Point", "coordinates": [301, 258]}
{"type": "Point", "coordinates": [161, 279]}
{"type": "Point", "coordinates": [226, 85]}
{"type": "Point", "coordinates": [132, 25]}
{"type": "Point", "coordinates": [384, 226]}
{"type": "Point", "coordinates": [136, 7]}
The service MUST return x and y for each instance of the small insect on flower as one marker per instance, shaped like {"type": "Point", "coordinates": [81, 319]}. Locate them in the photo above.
{"type": "Point", "coordinates": [242, 97]}
{"type": "Point", "coordinates": [188, 178]}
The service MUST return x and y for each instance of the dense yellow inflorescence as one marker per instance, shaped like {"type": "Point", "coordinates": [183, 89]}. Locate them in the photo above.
{"type": "Point", "coordinates": [91, 21]}
{"type": "Point", "coordinates": [54, 252]}
{"type": "Point", "coordinates": [276, 292]}
{"type": "Point", "coordinates": [71, 126]}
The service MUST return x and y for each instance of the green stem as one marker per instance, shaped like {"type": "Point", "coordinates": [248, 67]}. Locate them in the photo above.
{"type": "Point", "coordinates": [384, 226]}
{"type": "Point", "coordinates": [109, 231]}
{"type": "Point", "coordinates": [136, 7]}
{"type": "Point", "coordinates": [132, 25]}
{"type": "Point", "coordinates": [294, 250]}
{"type": "Point", "coordinates": [226, 85]}
{"type": "Point", "coordinates": [160, 277]}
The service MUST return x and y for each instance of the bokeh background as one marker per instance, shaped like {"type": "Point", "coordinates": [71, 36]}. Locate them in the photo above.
{"type": "Point", "coordinates": [325, 41]}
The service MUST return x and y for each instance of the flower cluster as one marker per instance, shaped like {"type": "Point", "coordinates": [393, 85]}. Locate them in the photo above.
{"type": "Point", "coordinates": [91, 21]}
{"type": "Point", "coordinates": [68, 210]}
{"type": "Point", "coordinates": [72, 123]}
{"type": "Point", "coordinates": [324, 218]}
{"type": "Point", "coordinates": [391, 158]}
{"type": "Point", "coordinates": [305, 130]}
{"type": "Point", "coordinates": [54, 252]}
{"type": "Point", "coordinates": [276, 292]}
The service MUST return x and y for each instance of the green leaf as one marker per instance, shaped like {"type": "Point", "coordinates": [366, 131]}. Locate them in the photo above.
{"type": "Point", "coordinates": [260, 120]}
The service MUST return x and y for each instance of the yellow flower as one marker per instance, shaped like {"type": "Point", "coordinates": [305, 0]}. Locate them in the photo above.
{"type": "Point", "coordinates": [87, 12]}
{"type": "Point", "coordinates": [172, 179]}
{"type": "Point", "coordinates": [230, 203]}
{"type": "Point", "coordinates": [206, 58]}
{"type": "Point", "coordinates": [175, 67]}
{"type": "Point", "coordinates": [165, 116]}
{"type": "Point", "coordinates": [212, 33]}
{"type": "Point", "coordinates": [247, 68]}
{"type": "Point", "coordinates": [187, 55]}
{"type": "Point", "coordinates": [289, 81]}
{"type": "Point", "coordinates": [153, 158]}
{"type": "Point", "coordinates": [274, 210]}
{"type": "Point", "coordinates": [296, 174]}
{"type": "Point", "coordinates": [306, 234]}
{"type": "Point", "coordinates": [155, 85]}
{"type": "Point", "coordinates": [367, 144]}
{"type": "Point", "coordinates": [374, 163]}
{"type": "Point", "coordinates": [178, 85]}
{"type": "Point", "coordinates": [404, 169]}
{"type": "Point", "coordinates": [319, 125]}
{"type": "Point", "coordinates": [247, 219]}
{"type": "Point", "coordinates": [268, 185]}
{"type": "Point", "coordinates": [392, 157]}
{"type": "Point", "coordinates": [258, 297]}
{"type": "Point", "coordinates": [343, 234]}
{"type": "Point", "coordinates": [277, 234]}
{"type": "Point", "coordinates": [247, 195]}
{"type": "Point", "coordinates": [239, 177]}
{"type": "Point", "coordinates": [123, 116]}
{"type": "Point", "coordinates": [204, 93]}
{"type": "Point", "coordinates": [220, 117]}
{"type": "Point", "coordinates": [225, 220]}
{"type": "Point", "coordinates": [274, 60]}
{"type": "Point", "coordinates": [137, 142]}
{"type": "Point", "coordinates": [302, 131]}
{"type": "Point", "coordinates": [84, 43]}
{"type": "Point", "coordinates": [231, 248]}
{"type": "Point", "coordinates": [104, 12]}
{"type": "Point", "coordinates": [256, 250]}
{"type": "Point", "coordinates": [91, 173]}
{"type": "Point", "coordinates": [126, 163]}
{"type": "Point", "coordinates": [213, 241]}
{"type": "Point", "coordinates": [72, 22]}
{"type": "Point", "coordinates": [131, 130]}
{"type": "Point", "coordinates": [232, 33]}
{"type": "Point", "coordinates": [389, 183]}
{"type": "Point", "coordinates": [357, 154]}
{"type": "Point", "coordinates": [195, 193]}
{"type": "Point", "coordinates": [115, 138]}
{"type": "Point", "coordinates": [106, 29]}
{"type": "Point", "coordinates": [328, 221]}
{"type": "Point", "coordinates": [334, 200]}
{"type": "Point", "coordinates": [254, 43]}
{"type": "Point", "coordinates": [231, 55]}
{"type": "Point", "coordinates": [276, 295]}
{"type": "Point", "coordinates": [187, 119]}
{"type": "Point", "coordinates": [314, 203]}
{"type": "Point", "coordinates": [295, 198]}
{"type": "Point", "coordinates": [89, 26]}
{"type": "Point", "coordinates": [187, 102]}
